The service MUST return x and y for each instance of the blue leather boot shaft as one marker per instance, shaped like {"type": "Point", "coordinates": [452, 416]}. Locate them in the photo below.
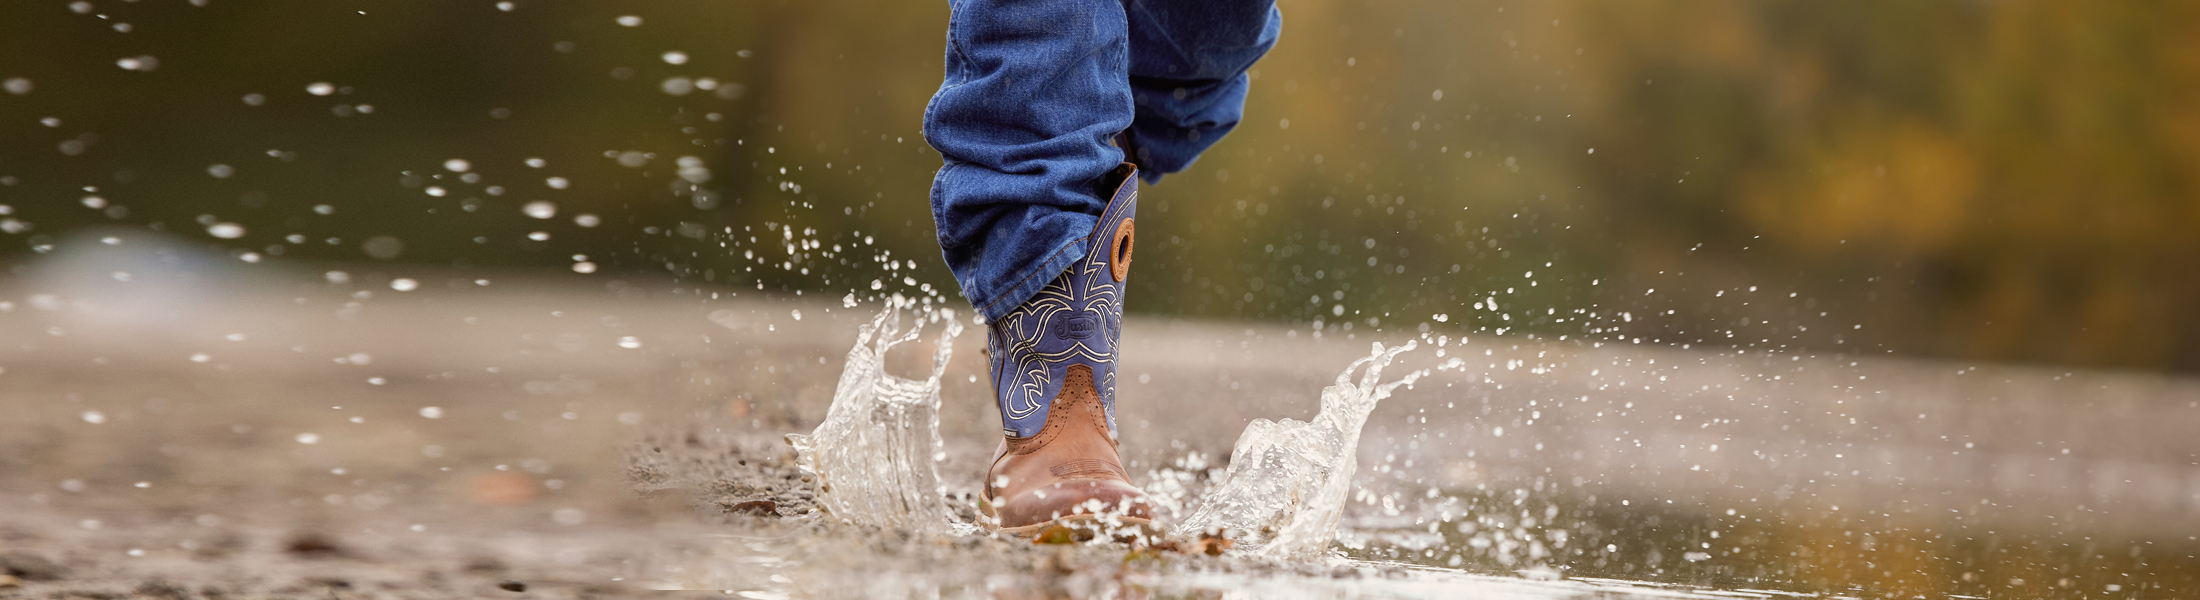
{"type": "Point", "coordinates": [1075, 320]}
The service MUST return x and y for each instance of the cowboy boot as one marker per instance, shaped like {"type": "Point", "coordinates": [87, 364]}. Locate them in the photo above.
{"type": "Point", "coordinates": [1053, 369]}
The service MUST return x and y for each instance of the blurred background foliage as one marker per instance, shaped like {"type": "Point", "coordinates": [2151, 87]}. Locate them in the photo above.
{"type": "Point", "coordinates": [2001, 181]}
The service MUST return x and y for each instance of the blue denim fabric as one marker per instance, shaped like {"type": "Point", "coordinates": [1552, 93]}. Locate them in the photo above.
{"type": "Point", "coordinates": [1036, 95]}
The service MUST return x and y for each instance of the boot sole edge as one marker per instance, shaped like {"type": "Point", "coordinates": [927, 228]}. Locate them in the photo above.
{"type": "Point", "coordinates": [1085, 523]}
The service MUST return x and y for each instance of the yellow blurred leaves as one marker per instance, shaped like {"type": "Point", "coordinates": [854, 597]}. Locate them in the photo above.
{"type": "Point", "coordinates": [1909, 187]}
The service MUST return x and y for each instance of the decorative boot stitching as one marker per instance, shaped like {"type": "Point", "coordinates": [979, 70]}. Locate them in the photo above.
{"type": "Point", "coordinates": [1074, 321]}
{"type": "Point", "coordinates": [1059, 415]}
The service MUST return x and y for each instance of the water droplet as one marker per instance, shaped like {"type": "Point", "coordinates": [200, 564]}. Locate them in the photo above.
{"type": "Point", "coordinates": [587, 220]}
{"type": "Point", "coordinates": [94, 417]}
{"type": "Point", "coordinates": [320, 88]}
{"type": "Point", "coordinates": [584, 267]}
{"type": "Point", "coordinates": [431, 412]}
{"type": "Point", "coordinates": [227, 231]}
{"type": "Point", "coordinates": [404, 284]}
{"type": "Point", "coordinates": [676, 57]}
{"type": "Point", "coordinates": [540, 209]}
{"type": "Point", "coordinates": [630, 342]}
{"type": "Point", "coordinates": [630, 21]}
{"type": "Point", "coordinates": [457, 165]}
{"type": "Point", "coordinates": [221, 171]}
{"type": "Point", "coordinates": [309, 438]}
{"type": "Point", "coordinates": [17, 85]}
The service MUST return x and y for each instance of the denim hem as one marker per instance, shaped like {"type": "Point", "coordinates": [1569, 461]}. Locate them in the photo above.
{"type": "Point", "coordinates": [999, 303]}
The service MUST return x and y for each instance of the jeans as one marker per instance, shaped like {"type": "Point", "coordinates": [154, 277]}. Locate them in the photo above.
{"type": "Point", "coordinates": [1038, 96]}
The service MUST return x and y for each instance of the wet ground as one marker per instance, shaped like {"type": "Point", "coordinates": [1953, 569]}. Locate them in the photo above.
{"type": "Point", "coordinates": [205, 428]}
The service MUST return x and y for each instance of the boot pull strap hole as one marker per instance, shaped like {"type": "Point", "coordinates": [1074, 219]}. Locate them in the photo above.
{"type": "Point", "coordinates": [1119, 255]}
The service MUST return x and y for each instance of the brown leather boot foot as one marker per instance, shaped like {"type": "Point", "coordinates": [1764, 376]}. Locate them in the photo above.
{"type": "Point", "coordinates": [1066, 476]}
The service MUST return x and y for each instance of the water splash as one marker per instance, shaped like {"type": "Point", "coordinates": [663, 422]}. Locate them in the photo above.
{"type": "Point", "coordinates": [1287, 481]}
{"type": "Point", "coordinates": [875, 458]}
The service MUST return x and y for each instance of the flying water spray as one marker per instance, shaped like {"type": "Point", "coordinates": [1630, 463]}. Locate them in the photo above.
{"type": "Point", "coordinates": [875, 459]}
{"type": "Point", "coordinates": [1287, 483]}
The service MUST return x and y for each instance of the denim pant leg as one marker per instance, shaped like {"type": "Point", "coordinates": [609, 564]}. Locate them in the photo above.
{"type": "Point", "coordinates": [1188, 62]}
{"type": "Point", "coordinates": [1033, 95]}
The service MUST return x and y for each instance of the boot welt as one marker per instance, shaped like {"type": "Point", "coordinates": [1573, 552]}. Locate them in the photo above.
{"type": "Point", "coordinates": [1086, 522]}
{"type": "Point", "coordinates": [1086, 526]}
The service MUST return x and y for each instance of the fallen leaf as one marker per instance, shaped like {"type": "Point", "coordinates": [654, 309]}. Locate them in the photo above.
{"type": "Point", "coordinates": [1057, 534]}
{"type": "Point", "coordinates": [1211, 544]}
{"type": "Point", "coordinates": [760, 508]}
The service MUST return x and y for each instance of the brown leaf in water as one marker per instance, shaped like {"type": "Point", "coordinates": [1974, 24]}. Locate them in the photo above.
{"type": "Point", "coordinates": [760, 508]}
{"type": "Point", "coordinates": [1212, 544]}
{"type": "Point", "coordinates": [1056, 534]}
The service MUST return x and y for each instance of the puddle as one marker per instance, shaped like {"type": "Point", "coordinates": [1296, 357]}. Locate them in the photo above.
{"type": "Point", "coordinates": [1285, 499]}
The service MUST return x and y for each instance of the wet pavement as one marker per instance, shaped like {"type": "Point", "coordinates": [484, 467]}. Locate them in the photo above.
{"type": "Point", "coordinates": [209, 428]}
